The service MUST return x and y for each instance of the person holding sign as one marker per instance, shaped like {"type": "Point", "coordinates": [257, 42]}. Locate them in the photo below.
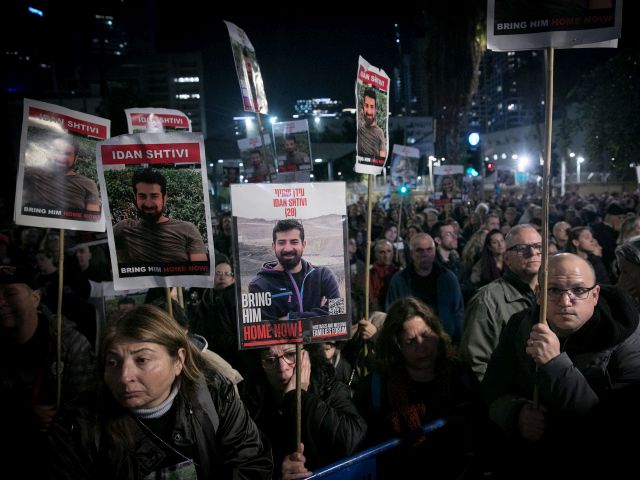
{"type": "Point", "coordinates": [292, 287]}
{"type": "Point", "coordinates": [56, 185]}
{"type": "Point", "coordinates": [155, 238]}
{"type": "Point", "coordinates": [584, 360]}
{"type": "Point", "coordinates": [371, 139]}
{"type": "Point", "coordinates": [331, 427]}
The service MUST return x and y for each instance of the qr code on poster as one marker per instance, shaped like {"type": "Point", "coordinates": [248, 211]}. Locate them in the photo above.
{"type": "Point", "coordinates": [337, 306]}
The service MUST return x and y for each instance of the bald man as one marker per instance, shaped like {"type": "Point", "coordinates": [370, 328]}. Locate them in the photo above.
{"type": "Point", "coordinates": [588, 349]}
{"type": "Point", "coordinates": [432, 283]}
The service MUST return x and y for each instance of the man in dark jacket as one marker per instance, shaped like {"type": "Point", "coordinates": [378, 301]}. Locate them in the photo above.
{"type": "Point", "coordinates": [293, 287]}
{"type": "Point", "coordinates": [432, 283]}
{"type": "Point", "coordinates": [588, 351]}
{"type": "Point", "coordinates": [29, 396]}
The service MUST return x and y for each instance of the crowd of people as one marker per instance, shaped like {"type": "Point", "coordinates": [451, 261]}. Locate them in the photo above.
{"type": "Point", "coordinates": [453, 334]}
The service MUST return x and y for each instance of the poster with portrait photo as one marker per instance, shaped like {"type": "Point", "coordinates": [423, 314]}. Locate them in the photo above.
{"type": "Point", "coordinates": [404, 166]}
{"type": "Point", "coordinates": [258, 161]}
{"type": "Point", "coordinates": [448, 184]}
{"type": "Point", "coordinates": [57, 183]}
{"type": "Point", "coordinates": [156, 120]}
{"type": "Point", "coordinates": [293, 147]}
{"type": "Point", "coordinates": [372, 119]}
{"type": "Point", "coordinates": [292, 289]}
{"type": "Point", "coordinates": [158, 214]}
{"type": "Point", "coordinates": [254, 98]}
{"type": "Point", "coordinates": [531, 25]}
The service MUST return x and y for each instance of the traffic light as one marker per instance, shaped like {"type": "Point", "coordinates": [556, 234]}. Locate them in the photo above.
{"type": "Point", "coordinates": [490, 167]}
{"type": "Point", "coordinates": [474, 159]}
{"type": "Point", "coordinates": [474, 163]}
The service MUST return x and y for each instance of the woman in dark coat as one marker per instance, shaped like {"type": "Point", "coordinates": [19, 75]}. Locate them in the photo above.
{"type": "Point", "coordinates": [163, 412]}
{"type": "Point", "coordinates": [418, 380]}
{"type": "Point", "coordinates": [332, 428]}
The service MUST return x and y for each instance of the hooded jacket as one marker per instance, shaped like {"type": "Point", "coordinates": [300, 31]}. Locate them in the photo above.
{"type": "Point", "coordinates": [289, 300]}
{"type": "Point", "coordinates": [598, 359]}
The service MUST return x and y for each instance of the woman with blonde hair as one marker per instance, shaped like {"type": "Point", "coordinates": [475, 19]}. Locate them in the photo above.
{"type": "Point", "coordinates": [162, 411]}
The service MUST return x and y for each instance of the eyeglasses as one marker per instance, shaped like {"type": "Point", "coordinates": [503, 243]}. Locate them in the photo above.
{"type": "Point", "coordinates": [224, 274]}
{"type": "Point", "coordinates": [526, 249]}
{"type": "Point", "coordinates": [575, 293]}
{"type": "Point", "coordinates": [272, 362]}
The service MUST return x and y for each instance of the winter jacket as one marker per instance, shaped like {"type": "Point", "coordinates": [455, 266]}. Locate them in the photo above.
{"type": "Point", "coordinates": [287, 300]}
{"type": "Point", "coordinates": [484, 319]}
{"type": "Point", "coordinates": [599, 358]}
{"type": "Point", "coordinates": [213, 422]}
{"type": "Point", "coordinates": [28, 377]}
{"type": "Point", "coordinates": [332, 428]}
{"type": "Point", "coordinates": [450, 303]}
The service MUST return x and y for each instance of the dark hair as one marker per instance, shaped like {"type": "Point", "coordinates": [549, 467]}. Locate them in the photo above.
{"type": "Point", "coordinates": [222, 258]}
{"type": "Point", "coordinates": [435, 230]}
{"type": "Point", "coordinates": [369, 92]}
{"type": "Point", "coordinates": [255, 151]}
{"type": "Point", "coordinates": [488, 268]}
{"type": "Point", "coordinates": [574, 234]}
{"type": "Point", "coordinates": [388, 356]}
{"type": "Point", "coordinates": [150, 176]}
{"type": "Point", "coordinates": [291, 137]}
{"type": "Point", "coordinates": [286, 225]}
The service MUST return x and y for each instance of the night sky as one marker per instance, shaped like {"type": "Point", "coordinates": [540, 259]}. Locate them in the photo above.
{"type": "Point", "coordinates": [300, 56]}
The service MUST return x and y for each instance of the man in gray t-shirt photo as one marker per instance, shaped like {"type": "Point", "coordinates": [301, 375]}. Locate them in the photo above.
{"type": "Point", "coordinates": [372, 142]}
{"type": "Point", "coordinates": [154, 237]}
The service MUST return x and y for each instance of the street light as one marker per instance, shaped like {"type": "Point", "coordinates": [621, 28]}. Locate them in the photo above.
{"type": "Point", "coordinates": [579, 160]}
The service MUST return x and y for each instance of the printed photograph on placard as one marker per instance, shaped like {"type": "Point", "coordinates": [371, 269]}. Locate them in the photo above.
{"type": "Point", "coordinates": [404, 166]}
{"type": "Point", "coordinates": [254, 98]}
{"type": "Point", "coordinates": [292, 279]}
{"type": "Point", "coordinates": [57, 184]}
{"type": "Point", "coordinates": [448, 184]}
{"type": "Point", "coordinates": [258, 160]}
{"type": "Point", "coordinates": [372, 119]}
{"type": "Point", "coordinates": [159, 221]}
{"type": "Point", "coordinates": [293, 147]}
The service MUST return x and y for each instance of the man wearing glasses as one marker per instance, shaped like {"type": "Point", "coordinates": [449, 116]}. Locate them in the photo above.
{"type": "Point", "coordinates": [492, 306]}
{"type": "Point", "coordinates": [583, 356]}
